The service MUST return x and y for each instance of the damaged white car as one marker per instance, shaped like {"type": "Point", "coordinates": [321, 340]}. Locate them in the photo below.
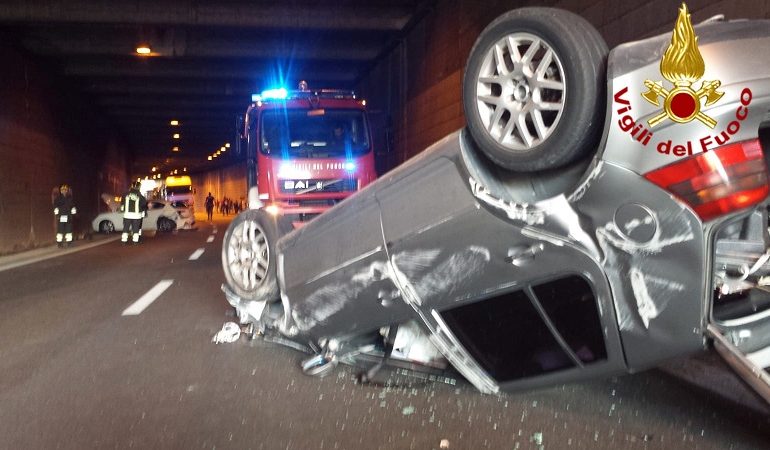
{"type": "Point", "coordinates": [601, 212]}
{"type": "Point", "coordinates": [161, 216]}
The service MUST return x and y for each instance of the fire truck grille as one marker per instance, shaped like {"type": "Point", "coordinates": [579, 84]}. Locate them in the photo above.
{"type": "Point", "coordinates": [299, 187]}
{"type": "Point", "coordinates": [313, 203]}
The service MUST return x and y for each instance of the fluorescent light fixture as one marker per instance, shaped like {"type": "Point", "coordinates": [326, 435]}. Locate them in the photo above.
{"type": "Point", "coordinates": [143, 50]}
{"type": "Point", "coordinates": [174, 123]}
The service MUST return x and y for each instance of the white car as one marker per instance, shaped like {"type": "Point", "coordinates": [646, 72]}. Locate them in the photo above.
{"type": "Point", "coordinates": [161, 216]}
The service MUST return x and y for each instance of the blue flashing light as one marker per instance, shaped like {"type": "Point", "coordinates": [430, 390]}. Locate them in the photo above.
{"type": "Point", "coordinates": [275, 94]}
{"type": "Point", "coordinates": [350, 166]}
{"type": "Point", "coordinates": [256, 98]}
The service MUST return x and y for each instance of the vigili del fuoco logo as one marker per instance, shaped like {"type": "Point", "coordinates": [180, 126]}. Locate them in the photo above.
{"type": "Point", "coordinates": [683, 66]}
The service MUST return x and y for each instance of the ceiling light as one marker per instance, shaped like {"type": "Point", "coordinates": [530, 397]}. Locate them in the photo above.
{"type": "Point", "coordinates": [175, 149]}
{"type": "Point", "coordinates": [210, 158]}
{"type": "Point", "coordinates": [227, 145]}
{"type": "Point", "coordinates": [176, 135]}
{"type": "Point", "coordinates": [143, 50]}
{"type": "Point", "coordinates": [154, 169]}
{"type": "Point", "coordinates": [174, 123]}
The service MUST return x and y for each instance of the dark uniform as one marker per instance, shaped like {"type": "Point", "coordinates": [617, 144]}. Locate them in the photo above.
{"type": "Point", "coordinates": [209, 206]}
{"type": "Point", "coordinates": [134, 206]}
{"type": "Point", "coordinates": [64, 209]}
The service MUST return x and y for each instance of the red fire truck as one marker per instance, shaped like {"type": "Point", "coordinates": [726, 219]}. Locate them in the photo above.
{"type": "Point", "coordinates": [308, 150]}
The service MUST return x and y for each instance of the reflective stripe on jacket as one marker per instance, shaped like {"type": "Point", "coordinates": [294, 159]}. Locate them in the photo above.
{"type": "Point", "coordinates": [134, 205]}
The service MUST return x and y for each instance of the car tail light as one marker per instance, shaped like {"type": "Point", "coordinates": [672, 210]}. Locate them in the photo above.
{"type": "Point", "coordinates": [717, 182]}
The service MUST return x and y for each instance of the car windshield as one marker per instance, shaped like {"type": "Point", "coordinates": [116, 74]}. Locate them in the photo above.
{"type": "Point", "coordinates": [319, 133]}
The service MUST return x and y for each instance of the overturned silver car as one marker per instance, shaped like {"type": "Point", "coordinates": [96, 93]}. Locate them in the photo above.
{"type": "Point", "coordinates": [601, 212]}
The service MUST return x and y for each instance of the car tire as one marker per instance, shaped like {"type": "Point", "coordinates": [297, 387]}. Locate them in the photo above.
{"type": "Point", "coordinates": [166, 225]}
{"type": "Point", "coordinates": [534, 89]}
{"type": "Point", "coordinates": [248, 255]}
{"type": "Point", "coordinates": [106, 227]}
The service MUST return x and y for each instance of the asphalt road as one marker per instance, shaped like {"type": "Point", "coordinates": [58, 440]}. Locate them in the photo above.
{"type": "Point", "coordinates": [76, 373]}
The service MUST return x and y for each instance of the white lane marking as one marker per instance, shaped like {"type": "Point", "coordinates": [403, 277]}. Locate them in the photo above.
{"type": "Point", "coordinates": [146, 300]}
{"type": "Point", "coordinates": [197, 254]}
{"type": "Point", "coordinates": [210, 239]}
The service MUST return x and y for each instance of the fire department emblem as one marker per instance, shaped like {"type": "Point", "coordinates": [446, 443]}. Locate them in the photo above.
{"type": "Point", "coordinates": [682, 65]}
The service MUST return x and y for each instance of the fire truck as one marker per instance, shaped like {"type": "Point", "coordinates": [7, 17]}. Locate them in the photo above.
{"type": "Point", "coordinates": [306, 151]}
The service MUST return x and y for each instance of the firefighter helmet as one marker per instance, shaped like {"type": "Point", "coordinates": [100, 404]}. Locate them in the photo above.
{"type": "Point", "coordinates": [135, 185]}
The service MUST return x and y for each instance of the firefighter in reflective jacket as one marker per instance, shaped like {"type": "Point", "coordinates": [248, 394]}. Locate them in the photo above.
{"type": "Point", "coordinates": [64, 209]}
{"type": "Point", "coordinates": [134, 206]}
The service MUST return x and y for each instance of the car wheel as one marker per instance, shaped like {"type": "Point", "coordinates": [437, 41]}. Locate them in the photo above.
{"type": "Point", "coordinates": [105, 226]}
{"type": "Point", "coordinates": [165, 225]}
{"type": "Point", "coordinates": [534, 89]}
{"type": "Point", "coordinates": [248, 255]}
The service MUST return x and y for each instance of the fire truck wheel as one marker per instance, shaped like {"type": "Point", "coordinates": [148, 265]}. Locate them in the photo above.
{"type": "Point", "coordinates": [248, 257]}
{"type": "Point", "coordinates": [534, 89]}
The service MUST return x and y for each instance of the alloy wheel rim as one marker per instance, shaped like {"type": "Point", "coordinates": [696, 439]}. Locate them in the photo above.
{"type": "Point", "coordinates": [520, 91]}
{"type": "Point", "coordinates": [248, 255]}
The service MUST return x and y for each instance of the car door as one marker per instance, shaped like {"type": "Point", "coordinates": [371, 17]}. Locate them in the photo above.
{"type": "Point", "coordinates": [154, 211]}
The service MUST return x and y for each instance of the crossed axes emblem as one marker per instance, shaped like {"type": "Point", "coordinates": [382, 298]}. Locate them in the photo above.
{"type": "Point", "coordinates": [682, 104]}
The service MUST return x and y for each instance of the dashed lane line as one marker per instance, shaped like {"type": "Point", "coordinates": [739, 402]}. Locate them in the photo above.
{"type": "Point", "coordinates": [146, 300]}
{"type": "Point", "coordinates": [196, 254]}
{"type": "Point", "coordinates": [210, 239]}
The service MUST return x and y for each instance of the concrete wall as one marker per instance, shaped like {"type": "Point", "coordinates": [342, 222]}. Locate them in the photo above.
{"type": "Point", "coordinates": [418, 85]}
{"type": "Point", "coordinates": [47, 137]}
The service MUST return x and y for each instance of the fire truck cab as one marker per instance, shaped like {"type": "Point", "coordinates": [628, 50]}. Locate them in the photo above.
{"type": "Point", "coordinates": [307, 150]}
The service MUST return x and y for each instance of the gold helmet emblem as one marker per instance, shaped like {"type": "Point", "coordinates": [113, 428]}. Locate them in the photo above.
{"type": "Point", "coordinates": [682, 65]}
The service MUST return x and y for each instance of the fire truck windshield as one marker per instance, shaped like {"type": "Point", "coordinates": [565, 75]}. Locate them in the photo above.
{"type": "Point", "coordinates": [321, 133]}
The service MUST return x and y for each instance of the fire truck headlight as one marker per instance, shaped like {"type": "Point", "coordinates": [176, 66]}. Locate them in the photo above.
{"type": "Point", "coordinates": [272, 209]}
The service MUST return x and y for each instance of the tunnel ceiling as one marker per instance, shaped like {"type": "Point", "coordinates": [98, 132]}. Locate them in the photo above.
{"type": "Point", "coordinates": [207, 59]}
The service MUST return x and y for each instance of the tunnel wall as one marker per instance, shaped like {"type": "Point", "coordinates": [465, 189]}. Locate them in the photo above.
{"type": "Point", "coordinates": [417, 86]}
{"type": "Point", "coordinates": [227, 182]}
{"type": "Point", "coordinates": [49, 137]}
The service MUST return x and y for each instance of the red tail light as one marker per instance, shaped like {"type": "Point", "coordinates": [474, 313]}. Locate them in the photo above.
{"type": "Point", "coordinates": [717, 182]}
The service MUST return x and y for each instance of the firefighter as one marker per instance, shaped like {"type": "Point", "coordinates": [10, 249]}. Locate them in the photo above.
{"type": "Point", "coordinates": [64, 209]}
{"type": "Point", "coordinates": [134, 208]}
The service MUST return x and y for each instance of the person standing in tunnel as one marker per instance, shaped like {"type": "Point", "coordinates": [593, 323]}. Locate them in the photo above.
{"type": "Point", "coordinates": [64, 209]}
{"type": "Point", "coordinates": [134, 207]}
{"type": "Point", "coordinates": [209, 206]}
